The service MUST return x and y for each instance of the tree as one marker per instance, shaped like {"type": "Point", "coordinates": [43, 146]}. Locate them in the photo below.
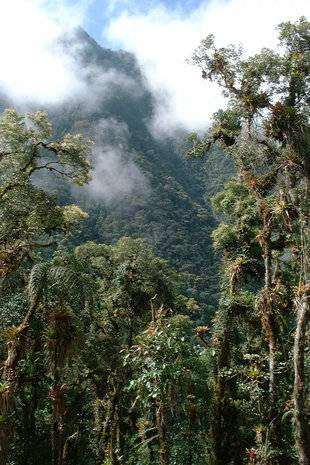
{"type": "Point", "coordinates": [265, 129]}
{"type": "Point", "coordinates": [128, 276]}
{"type": "Point", "coordinates": [58, 296]}
{"type": "Point", "coordinates": [167, 367]}
{"type": "Point", "coordinates": [27, 212]}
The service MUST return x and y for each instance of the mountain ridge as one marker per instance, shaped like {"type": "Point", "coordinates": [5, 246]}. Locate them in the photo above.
{"type": "Point", "coordinates": [172, 213]}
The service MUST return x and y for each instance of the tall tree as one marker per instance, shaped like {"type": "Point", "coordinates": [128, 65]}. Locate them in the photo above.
{"type": "Point", "coordinates": [28, 216]}
{"type": "Point", "coordinates": [128, 277]}
{"type": "Point", "coordinates": [27, 211]}
{"type": "Point", "coordinates": [266, 130]}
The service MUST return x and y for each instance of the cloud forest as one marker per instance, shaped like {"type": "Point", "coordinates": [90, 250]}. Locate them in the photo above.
{"type": "Point", "coordinates": [155, 285]}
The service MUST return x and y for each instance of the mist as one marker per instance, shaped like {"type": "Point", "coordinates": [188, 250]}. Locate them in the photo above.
{"type": "Point", "coordinates": [163, 39]}
{"type": "Point", "coordinates": [42, 66]}
{"type": "Point", "coordinates": [47, 63]}
{"type": "Point", "coordinates": [42, 57]}
{"type": "Point", "coordinates": [34, 67]}
{"type": "Point", "coordinates": [115, 174]}
{"type": "Point", "coordinates": [37, 68]}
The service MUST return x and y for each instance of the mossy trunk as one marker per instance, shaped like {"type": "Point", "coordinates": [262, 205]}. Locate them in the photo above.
{"type": "Point", "coordinates": [301, 423]}
{"type": "Point", "coordinates": [108, 440]}
{"type": "Point", "coordinates": [218, 451]}
{"type": "Point", "coordinates": [162, 428]}
{"type": "Point", "coordinates": [57, 440]}
{"type": "Point", "coordinates": [70, 450]}
{"type": "Point", "coordinates": [15, 347]}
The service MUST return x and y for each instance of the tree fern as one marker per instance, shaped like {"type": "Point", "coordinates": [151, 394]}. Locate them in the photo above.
{"type": "Point", "coordinates": [37, 280]}
{"type": "Point", "coordinates": [68, 284]}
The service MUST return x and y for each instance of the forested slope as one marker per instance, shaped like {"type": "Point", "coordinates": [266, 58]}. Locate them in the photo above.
{"type": "Point", "coordinates": [103, 361]}
{"type": "Point", "coordinates": [146, 187]}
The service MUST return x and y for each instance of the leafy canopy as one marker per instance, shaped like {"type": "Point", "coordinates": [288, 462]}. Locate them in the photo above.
{"type": "Point", "coordinates": [26, 211]}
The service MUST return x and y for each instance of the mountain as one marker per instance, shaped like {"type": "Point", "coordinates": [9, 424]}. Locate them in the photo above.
{"type": "Point", "coordinates": [145, 187]}
{"type": "Point", "coordinates": [142, 186]}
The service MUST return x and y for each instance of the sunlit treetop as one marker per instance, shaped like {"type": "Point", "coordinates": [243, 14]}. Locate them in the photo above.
{"type": "Point", "coordinates": [26, 211]}
{"type": "Point", "coordinates": [267, 118]}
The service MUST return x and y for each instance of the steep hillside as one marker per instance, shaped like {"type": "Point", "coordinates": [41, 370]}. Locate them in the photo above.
{"type": "Point", "coordinates": [142, 186]}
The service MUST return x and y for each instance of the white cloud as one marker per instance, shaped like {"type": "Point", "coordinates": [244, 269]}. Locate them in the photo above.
{"type": "Point", "coordinates": [162, 40]}
{"type": "Point", "coordinates": [37, 69]}
{"type": "Point", "coordinates": [34, 67]}
{"type": "Point", "coordinates": [116, 174]}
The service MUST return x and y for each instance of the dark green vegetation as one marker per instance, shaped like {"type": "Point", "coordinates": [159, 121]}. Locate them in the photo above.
{"type": "Point", "coordinates": [107, 356]}
{"type": "Point", "coordinates": [261, 327]}
{"type": "Point", "coordinates": [156, 193]}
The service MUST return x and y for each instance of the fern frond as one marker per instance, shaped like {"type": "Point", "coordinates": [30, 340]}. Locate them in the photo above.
{"type": "Point", "coordinates": [37, 280]}
{"type": "Point", "coordinates": [69, 284]}
{"type": "Point", "coordinates": [64, 276]}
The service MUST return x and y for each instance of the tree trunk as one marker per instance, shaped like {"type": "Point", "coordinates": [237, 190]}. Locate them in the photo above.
{"type": "Point", "coordinates": [301, 424]}
{"type": "Point", "coordinates": [269, 324]}
{"type": "Point", "coordinates": [107, 441]}
{"type": "Point", "coordinates": [161, 423]}
{"type": "Point", "coordinates": [58, 408]}
{"type": "Point", "coordinates": [3, 446]}
{"type": "Point", "coordinates": [216, 436]}
{"type": "Point", "coordinates": [266, 305]}
{"type": "Point", "coordinates": [70, 451]}
{"type": "Point", "coordinates": [57, 441]}
{"type": "Point", "coordinates": [15, 348]}
{"type": "Point", "coordinates": [268, 312]}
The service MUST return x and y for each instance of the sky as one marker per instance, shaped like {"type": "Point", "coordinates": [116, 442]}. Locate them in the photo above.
{"type": "Point", "coordinates": [161, 33]}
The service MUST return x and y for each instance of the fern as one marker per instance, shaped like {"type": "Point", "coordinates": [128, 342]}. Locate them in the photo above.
{"type": "Point", "coordinates": [64, 276]}
{"type": "Point", "coordinates": [69, 284]}
{"type": "Point", "coordinates": [37, 280]}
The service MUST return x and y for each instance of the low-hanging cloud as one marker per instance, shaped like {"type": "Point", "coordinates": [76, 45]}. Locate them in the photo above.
{"type": "Point", "coordinates": [163, 39]}
{"type": "Point", "coordinates": [43, 57]}
{"type": "Point", "coordinates": [48, 62]}
{"type": "Point", "coordinates": [34, 68]}
{"type": "Point", "coordinates": [115, 173]}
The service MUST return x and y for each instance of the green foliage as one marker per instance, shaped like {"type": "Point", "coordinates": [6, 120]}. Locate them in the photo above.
{"type": "Point", "coordinates": [169, 375]}
{"type": "Point", "coordinates": [23, 140]}
{"type": "Point", "coordinates": [264, 237]}
{"type": "Point", "coordinates": [27, 213]}
{"type": "Point", "coordinates": [100, 361]}
{"type": "Point", "coordinates": [164, 359]}
{"type": "Point", "coordinates": [168, 208]}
